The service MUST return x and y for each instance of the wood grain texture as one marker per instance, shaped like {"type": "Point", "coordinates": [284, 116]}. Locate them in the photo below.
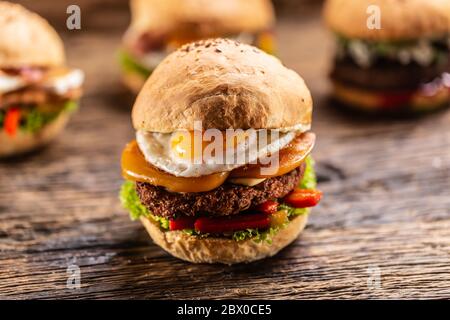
{"type": "Point", "coordinates": [386, 203]}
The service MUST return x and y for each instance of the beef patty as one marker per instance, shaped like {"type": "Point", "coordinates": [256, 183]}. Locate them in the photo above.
{"type": "Point", "coordinates": [228, 199]}
{"type": "Point", "coordinates": [387, 75]}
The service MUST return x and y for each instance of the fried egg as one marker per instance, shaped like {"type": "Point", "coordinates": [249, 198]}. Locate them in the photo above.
{"type": "Point", "coordinates": [194, 154]}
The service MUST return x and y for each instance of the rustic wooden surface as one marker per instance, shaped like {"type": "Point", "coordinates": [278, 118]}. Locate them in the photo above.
{"type": "Point", "coordinates": [386, 204]}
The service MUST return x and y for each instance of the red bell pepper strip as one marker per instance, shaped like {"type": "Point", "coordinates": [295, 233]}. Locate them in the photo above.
{"type": "Point", "coordinates": [11, 121]}
{"type": "Point", "coordinates": [230, 224]}
{"type": "Point", "coordinates": [267, 207]}
{"type": "Point", "coordinates": [303, 198]}
{"type": "Point", "coordinates": [181, 223]}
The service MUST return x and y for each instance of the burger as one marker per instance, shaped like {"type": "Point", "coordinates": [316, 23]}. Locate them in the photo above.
{"type": "Point", "coordinates": [38, 92]}
{"type": "Point", "coordinates": [159, 27]}
{"type": "Point", "coordinates": [392, 56]}
{"type": "Point", "coordinates": [220, 170]}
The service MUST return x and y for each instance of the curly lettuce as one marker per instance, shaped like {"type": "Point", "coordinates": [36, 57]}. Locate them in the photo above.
{"type": "Point", "coordinates": [309, 180]}
{"type": "Point", "coordinates": [35, 120]}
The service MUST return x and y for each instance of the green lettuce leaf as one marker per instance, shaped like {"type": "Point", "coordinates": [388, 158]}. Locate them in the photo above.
{"type": "Point", "coordinates": [293, 212]}
{"type": "Point", "coordinates": [129, 64]}
{"type": "Point", "coordinates": [130, 201]}
{"type": "Point", "coordinates": [70, 106]}
{"type": "Point", "coordinates": [391, 49]}
{"type": "Point", "coordinates": [309, 180]}
{"type": "Point", "coordinates": [257, 235]}
{"type": "Point", "coordinates": [34, 120]}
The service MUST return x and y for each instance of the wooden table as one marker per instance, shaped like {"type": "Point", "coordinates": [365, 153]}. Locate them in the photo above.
{"type": "Point", "coordinates": [386, 209]}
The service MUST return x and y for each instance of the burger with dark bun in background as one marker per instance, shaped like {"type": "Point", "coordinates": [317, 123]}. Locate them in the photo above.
{"type": "Point", "coordinates": [38, 92]}
{"type": "Point", "coordinates": [220, 171]}
{"type": "Point", "coordinates": [392, 56]}
{"type": "Point", "coordinates": [159, 27]}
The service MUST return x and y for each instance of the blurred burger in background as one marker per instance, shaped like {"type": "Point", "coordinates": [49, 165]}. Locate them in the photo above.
{"type": "Point", "coordinates": [159, 27]}
{"type": "Point", "coordinates": [403, 66]}
{"type": "Point", "coordinates": [38, 92]}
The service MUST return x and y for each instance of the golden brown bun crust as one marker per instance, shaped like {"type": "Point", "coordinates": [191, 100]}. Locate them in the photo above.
{"type": "Point", "coordinates": [224, 84]}
{"type": "Point", "coordinates": [399, 19]}
{"type": "Point", "coordinates": [221, 250]}
{"type": "Point", "coordinates": [27, 39]}
{"type": "Point", "coordinates": [24, 142]}
{"type": "Point", "coordinates": [212, 18]}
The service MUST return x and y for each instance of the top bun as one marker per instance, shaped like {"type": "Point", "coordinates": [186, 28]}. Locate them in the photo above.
{"type": "Point", "coordinates": [400, 20]}
{"type": "Point", "coordinates": [224, 84]}
{"type": "Point", "coordinates": [27, 39]}
{"type": "Point", "coordinates": [208, 18]}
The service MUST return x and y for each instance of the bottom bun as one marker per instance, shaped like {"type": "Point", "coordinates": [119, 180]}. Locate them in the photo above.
{"type": "Point", "coordinates": [222, 250]}
{"type": "Point", "coordinates": [133, 81]}
{"type": "Point", "coordinates": [24, 142]}
{"type": "Point", "coordinates": [377, 101]}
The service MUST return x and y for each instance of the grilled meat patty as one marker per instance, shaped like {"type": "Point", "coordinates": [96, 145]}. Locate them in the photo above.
{"type": "Point", "coordinates": [36, 96]}
{"type": "Point", "coordinates": [228, 199]}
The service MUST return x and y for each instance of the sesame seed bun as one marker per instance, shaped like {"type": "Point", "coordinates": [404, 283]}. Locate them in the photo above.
{"type": "Point", "coordinates": [224, 84]}
{"type": "Point", "coordinates": [400, 20]}
{"type": "Point", "coordinates": [222, 250]}
{"type": "Point", "coordinates": [27, 39]}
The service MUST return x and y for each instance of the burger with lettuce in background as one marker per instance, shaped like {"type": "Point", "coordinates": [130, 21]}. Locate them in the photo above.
{"type": "Point", "coordinates": [401, 66]}
{"type": "Point", "coordinates": [159, 27]}
{"type": "Point", "coordinates": [38, 92]}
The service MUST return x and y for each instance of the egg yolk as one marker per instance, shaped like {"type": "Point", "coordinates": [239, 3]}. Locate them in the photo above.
{"type": "Point", "coordinates": [190, 145]}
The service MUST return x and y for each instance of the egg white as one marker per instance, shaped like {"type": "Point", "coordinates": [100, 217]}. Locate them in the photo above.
{"type": "Point", "coordinates": [10, 83]}
{"type": "Point", "coordinates": [156, 148]}
{"type": "Point", "coordinates": [62, 84]}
